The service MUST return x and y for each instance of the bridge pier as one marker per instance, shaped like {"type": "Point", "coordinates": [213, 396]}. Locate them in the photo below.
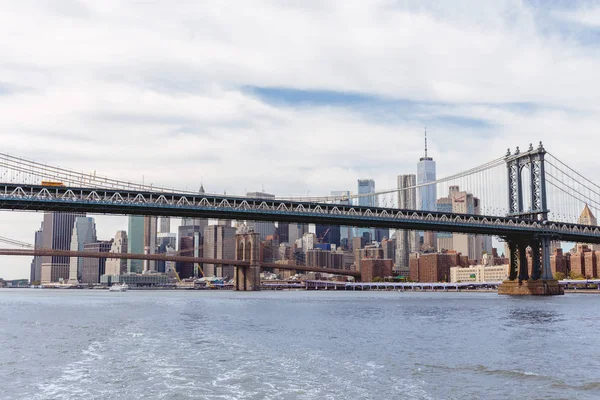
{"type": "Point", "coordinates": [541, 281]}
{"type": "Point", "coordinates": [247, 247]}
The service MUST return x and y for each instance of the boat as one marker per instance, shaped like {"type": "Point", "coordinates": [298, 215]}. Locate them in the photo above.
{"type": "Point", "coordinates": [119, 287]}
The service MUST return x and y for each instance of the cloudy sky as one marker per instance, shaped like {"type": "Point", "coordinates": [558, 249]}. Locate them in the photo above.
{"type": "Point", "coordinates": [294, 96]}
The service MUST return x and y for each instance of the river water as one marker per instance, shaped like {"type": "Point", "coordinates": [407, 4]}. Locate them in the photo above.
{"type": "Point", "coordinates": [77, 344]}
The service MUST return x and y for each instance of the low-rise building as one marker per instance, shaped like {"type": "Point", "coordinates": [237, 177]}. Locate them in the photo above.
{"type": "Point", "coordinates": [479, 273]}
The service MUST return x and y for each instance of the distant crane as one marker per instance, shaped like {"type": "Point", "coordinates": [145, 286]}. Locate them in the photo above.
{"type": "Point", "coordinates": [320, 239]}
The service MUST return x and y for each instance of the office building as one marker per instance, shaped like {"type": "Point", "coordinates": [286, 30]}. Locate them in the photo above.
{"type": "Point", "coordinates": [282, 230]}
{"type": "Point", "coordinates": [263, 228]}
{"type": "Point", "coordinates": [36, 264]}
{"type": "Point", "coordinates": [164, 242]}
{"type": "Point", "coordinates": [435, 267]}
{"type": "Point", "coordinates": [56, 234]}
{"type": "Point", "coordinates": [345, 231]}
{"type": "Point", "coordinates": [427, 194]}
{"type": "Point", "coordinates": [150, 228]}
{"type": "Point", "coordinates": [191, 244]}
{"type": "Point", "coordinates": [406, 241]}
{"type": "Point", "coordinates": [462, 202]}
{"type": "Point", "coordinates": [135, 243]}
{"type": "Point", "coordinates": [219, 243]}
{"type": "Point", "coordinates": [84, 232]}
{"type": "Point", "coordinates": [328, 234]}
{"type": "Point", "coordinates": [117, 266]}
{"type": "Point", "coordinates": [164, 225]}
{"type": "Point", "coordinates": [365, 187]}
{"type": "Point", "coordinates": [93, 268]}
{"type": "Point", "coordinates": [296, 231]}
{"type": "Point", "coordinates": [479, 273]}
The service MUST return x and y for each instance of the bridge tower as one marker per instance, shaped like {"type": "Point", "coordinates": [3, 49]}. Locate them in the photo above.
{"type": "Point", "coordinates": [541, 280]}
{"type": "Point", "coordinates": [247, 248]}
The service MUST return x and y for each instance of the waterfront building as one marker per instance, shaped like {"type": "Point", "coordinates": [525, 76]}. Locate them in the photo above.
{"type": "Point", "coordinates": [435, 267]}
{"type": "Point", "coordinates": [219, 243]}
{"type": "Point", "coordinates": [584, 261]}
{"type": "Point", "coordinates": [479, 273]}
{"type": "Point", "coordinates": [560, 262]}
{"type": "Point", "coordinates": [135, 242]}
{"type": "Point", "coordinates": [35, 274]}
{"type": "Point", "coordinates": [93, 268]}
{"type": "Point", "coordinates": [56, 235]}
{"type": "Point", "coordinates": [371, 268]}
{"type": "Point", "coordinates": [117, 266]}
{"type": "Point", "coordinates": [84, 231]}
{"type": "Point", "coordinates": [325, 258]}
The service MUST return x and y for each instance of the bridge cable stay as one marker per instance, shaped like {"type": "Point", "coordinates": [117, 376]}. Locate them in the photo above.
{"type": "Point", "coordinates": [15, 242]}
{"type": "Point", "coordinates": [576, 191]}
{"type": "Point", "coordinates": [21, 169]}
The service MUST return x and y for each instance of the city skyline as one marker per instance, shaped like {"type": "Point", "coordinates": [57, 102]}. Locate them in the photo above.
{"type": "Point", "coordinates": [298, 132]}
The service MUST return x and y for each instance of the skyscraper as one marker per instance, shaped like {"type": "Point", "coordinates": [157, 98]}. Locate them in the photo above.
{"type": "Point", "coordinates": [36, 264]}
{"type": "Point", "coordinates": [150, 225]}
{"type": "Point", "coordinates": [135, 242]}
{"type": "Point", "coordinates": [406, 241]}
{"type": "Point", "coordinates": [164, 225]}
{"type": "Point", "coordinates": [84, 232]}
{"type": "Point", "coordinates": [427, 195]}
{"type": "Point", "coordinates": [219, 243]}
{"type": "Point", "coordinates": [116, 266]}
{"type": "Point", "coordinates": [366, 186]}
{"type": "Point", "coordinates": [345, 231]}
{"type": "Point", "coordinates": [93, 268]}
{"type": "Point", "coordinates": [56, 235]}
{"type": "Point", "coordinates": [265, 228]}
{"type": "Point", "coordinates": [462, 202]}
{"type": "Point", "coordinates": [190, 245]}
{"type": "Point", "coordinates": [329, 234]}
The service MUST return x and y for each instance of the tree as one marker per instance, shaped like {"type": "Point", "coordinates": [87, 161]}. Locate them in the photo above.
{"type": "Point", "coordinates": [575, 275]}
{"type": "Point", "coordinates": [559, 276]}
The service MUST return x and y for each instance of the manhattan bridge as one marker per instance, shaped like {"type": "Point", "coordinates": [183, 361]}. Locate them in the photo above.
{"type": "Point", "coordinates": [528, 198]}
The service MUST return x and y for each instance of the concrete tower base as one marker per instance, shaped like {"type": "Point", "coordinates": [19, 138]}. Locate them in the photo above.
{"type": "Point", "coordinates": [531, 288]}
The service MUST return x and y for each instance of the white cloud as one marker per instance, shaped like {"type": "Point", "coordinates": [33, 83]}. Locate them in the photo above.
{"type": "Point", "coordinates": [150, 90]}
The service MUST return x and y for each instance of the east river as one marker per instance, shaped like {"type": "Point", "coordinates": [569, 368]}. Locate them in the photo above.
{"type": "Point", "coordinates": [86, 344]}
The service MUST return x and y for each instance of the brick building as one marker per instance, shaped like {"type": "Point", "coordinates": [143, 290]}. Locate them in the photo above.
{"type": "Point", "coordinates": [435, 267]}
{"type": "Point", "coordinates": [584, 261]}
{"type": "Point", "coordinates": [371, 268]}
{"type": "Point", "coordinates": [559, 262]}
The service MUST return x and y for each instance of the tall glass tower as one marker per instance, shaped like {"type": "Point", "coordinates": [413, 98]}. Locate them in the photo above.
{"type": "Point", "coordinates": [366, 186]}
{"type": "Point", "coordinates": [427, 195]}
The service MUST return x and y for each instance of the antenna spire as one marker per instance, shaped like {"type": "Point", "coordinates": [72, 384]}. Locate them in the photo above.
{"type": "Point", "coordinates": [425, 142]}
